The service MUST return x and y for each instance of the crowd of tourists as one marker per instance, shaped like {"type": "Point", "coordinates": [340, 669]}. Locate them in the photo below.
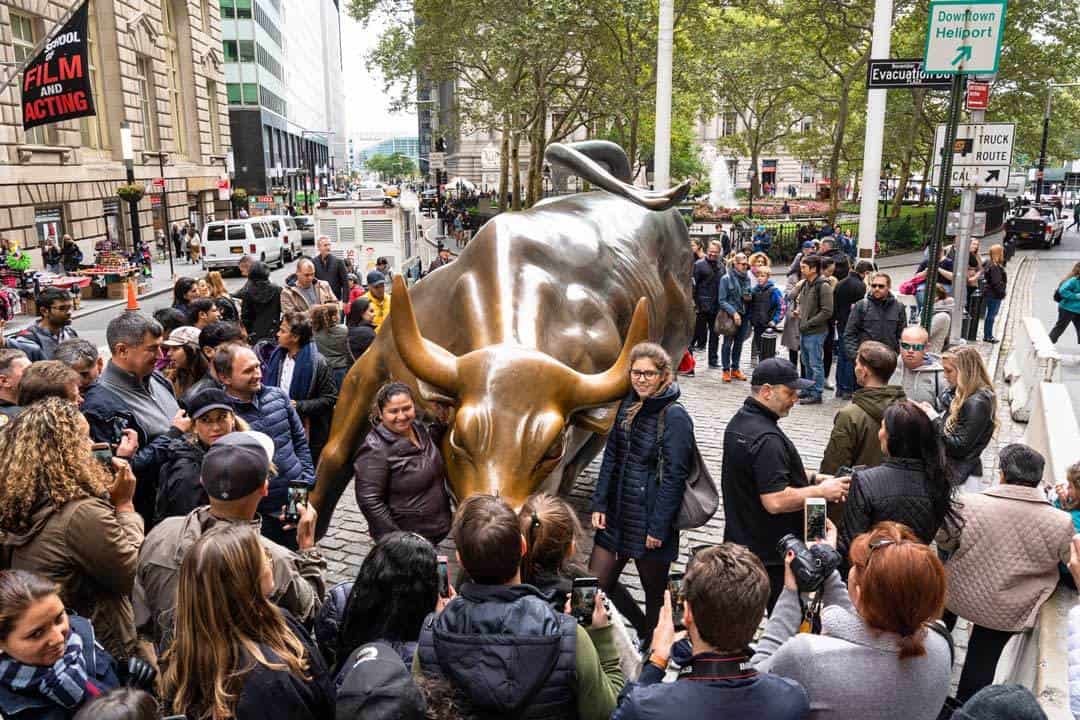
{"type": "Point", "coordinates": [158, 556]}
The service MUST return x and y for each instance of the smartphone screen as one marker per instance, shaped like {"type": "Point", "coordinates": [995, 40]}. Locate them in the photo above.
{"type": "Point", "coordinates": [297, 498]}
{"type": "Point", "coordinates": [814, 519]}
{"type": "Point", "coordinates": [675, 587]}
{"type": "Point", "coordinates": [444, 577]}
{"type": "Point", "coordinates": [103, 454]}
{"type": "Point", "coordinates": [583, 599]}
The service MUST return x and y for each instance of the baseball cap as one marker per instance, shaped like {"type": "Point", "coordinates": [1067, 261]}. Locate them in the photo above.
{"type": "Point", "coordinates": [204, 401]}
{"type": "Point", "coordinates": [236, 465]}
{"type": "Point", "coordinates": [375, 278]}
{"type": "Point", "coordinates": [183, 335]}
{"type": "Point", "coordinates": [778, 371]}
{"type": "Point", "coordinates": [376, 685]}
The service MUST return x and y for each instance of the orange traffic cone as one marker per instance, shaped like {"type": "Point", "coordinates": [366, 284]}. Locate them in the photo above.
{"type": "Point", "coordinates": [132, 296]}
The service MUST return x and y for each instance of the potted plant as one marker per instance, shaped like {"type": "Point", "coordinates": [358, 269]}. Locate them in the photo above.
{"type": "Point", "coordinates": [131, 192]}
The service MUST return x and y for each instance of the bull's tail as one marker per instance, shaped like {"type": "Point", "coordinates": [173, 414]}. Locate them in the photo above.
{"type": "Point", "coordinates": [584, 159]}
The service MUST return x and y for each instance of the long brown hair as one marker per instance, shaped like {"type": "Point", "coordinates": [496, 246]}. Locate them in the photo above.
{"type": "Point", "coordinates": [901, 584]}
{"type": "Point", "coordinates": [660, 358]}
{"type": "Point", "coordinates": [19, 590]}
{"type": "Point", "coordinates": [224, 625]}
{"type": "Point", "coordinates": [46, 456]}
{"type": "Point", "coordinates": [324, 317]}
{"type": "Point", "coordinates": [216, 284]}
{"type": "Point", "coordinates": [971, 376]}
{"type": "Point", "coordinates": [550, 527]}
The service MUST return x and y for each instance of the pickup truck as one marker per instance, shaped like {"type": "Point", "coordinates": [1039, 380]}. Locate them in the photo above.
{"type": "Point", "coordinates": [1039, 224]}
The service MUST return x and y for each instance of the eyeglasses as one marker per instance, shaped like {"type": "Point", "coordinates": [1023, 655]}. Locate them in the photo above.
{"type": "Point", "coordinates": [644, 374]}
{"type": "Point", "coordinates": [878, 285]}
{"type": "Point", "coordinates": [912, 346]}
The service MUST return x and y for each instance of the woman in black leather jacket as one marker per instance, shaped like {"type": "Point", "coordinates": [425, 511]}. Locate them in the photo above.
{"type": "Point", "coordinates": [968, 416]}
{"type": "Point", "coordinates": [910, 486]}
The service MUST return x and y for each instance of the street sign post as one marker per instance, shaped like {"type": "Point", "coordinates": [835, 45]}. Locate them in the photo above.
{"type": "Point", "coordinates": [981, 154]}
{"type": "Point", "coordinates": [964, 36]}
{"type": "Point", "coordinates": [893, 74]}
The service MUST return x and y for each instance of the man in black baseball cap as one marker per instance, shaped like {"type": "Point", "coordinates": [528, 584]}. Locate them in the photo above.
{"type": "Point", "coordinates": [235, 473]}
{"type": "Point", "coordinates": [763, 479]}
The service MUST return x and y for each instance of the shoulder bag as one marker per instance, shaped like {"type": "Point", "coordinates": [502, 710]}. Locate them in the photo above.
{"type": "Point", "coordinates": [700, 498]}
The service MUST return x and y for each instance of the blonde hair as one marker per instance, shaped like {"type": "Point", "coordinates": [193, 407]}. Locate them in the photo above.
{"type": "Point", "coordinates": [46, 456]}
{"type": "Point", "coordinates": [223, 624]}
{"type": "Point", "coordinates": [997, 254]}
{"type": "Point", "coordinates": [760, 259]}
{"type": "Point", "coordinates": [217, 284]}
{"type": "Point", "coordinates": [660, 358]}
{"type": "Point", "coordinates": [324, 317]}
{"type": "Point", "coordinates": [971, 377]}
{"type": "Point", "coordinates": [1072, 476]}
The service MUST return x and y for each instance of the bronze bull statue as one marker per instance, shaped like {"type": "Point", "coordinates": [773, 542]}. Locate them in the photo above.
{"type": "Point", "coordinates": [527, 334]}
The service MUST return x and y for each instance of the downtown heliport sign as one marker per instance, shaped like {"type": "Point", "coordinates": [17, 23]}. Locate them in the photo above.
{"type": "Point", "coordinates": [964, 36]}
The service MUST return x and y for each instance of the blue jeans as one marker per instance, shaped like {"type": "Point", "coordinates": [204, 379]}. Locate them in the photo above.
{"type": "Point", "coordinates": [845, 368]}
{"type": "Point", "coordinates": [992, 307]}
{"type": "Point", "coordinates": [812, 352]}
{"type": "Point", "coordinates": [731, 350]}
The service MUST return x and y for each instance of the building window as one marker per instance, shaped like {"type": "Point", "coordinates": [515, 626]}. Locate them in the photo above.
{"type": "Point", "coordinates": [268, 63]}
{"type": "Point", "coordinates": [246, 94]}
{"type": "Point", "coordinates": [243, 9]}
{"type": "Point", "coordinates": [49, 223]}
{"type": "Point", "coordinates": [238, 50]}
{"type": "Point", "coordinates": [215, 120]}
{"type": "Point", "coordinates": [272, 102]}
{"type": "Point", "coordinates": [172, 62]}
{"type": "Point", "coordinates": [24, 38]}
{"type": "Point", "coordinates": [728, 123]}
{"type": "Point", "coordinates": [148, 104]}
{"type": "Point", "coordinates": [807, 172]}
{"type": "Point", "coordinates": [228, 10]}
{"type": "Point", "coordinates": [92, 127]}
{"type": "Point", "coordinates": [264, 22]}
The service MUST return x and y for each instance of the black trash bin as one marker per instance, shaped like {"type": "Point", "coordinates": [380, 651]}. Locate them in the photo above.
{"type": "Point", "coordinates": [976, 308]}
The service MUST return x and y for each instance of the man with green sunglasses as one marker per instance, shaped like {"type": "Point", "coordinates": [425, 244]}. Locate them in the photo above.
{"type": "Point", "coordinates": [918, 372]}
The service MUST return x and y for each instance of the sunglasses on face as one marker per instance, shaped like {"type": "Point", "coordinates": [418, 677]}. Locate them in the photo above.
{"type": "Point", "coordinates": [878, 285]}
{"type": "Point", "coordinates": [912, 346]}
{"type": "Point", "coordinates": [644, 374]}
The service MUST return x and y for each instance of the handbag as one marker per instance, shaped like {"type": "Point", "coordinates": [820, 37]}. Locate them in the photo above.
{"type": "Point", "coordinates": [725, 324]}
{"type": "Point", "coordinates": [700, 498]}
{"type": "Point", "coordinates": [908, 287]}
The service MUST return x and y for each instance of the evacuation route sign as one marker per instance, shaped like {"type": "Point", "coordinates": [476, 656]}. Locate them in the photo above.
{"type": "Point", "coordinates": [964, 36]}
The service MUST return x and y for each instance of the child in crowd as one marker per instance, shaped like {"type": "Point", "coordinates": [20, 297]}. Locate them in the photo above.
{"type": "Point", "coordinates": [550, 528]}
{"type": "Point", "coordinates": [766, 310]}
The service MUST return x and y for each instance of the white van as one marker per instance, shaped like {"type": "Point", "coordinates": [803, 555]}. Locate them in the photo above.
{"type": "Point", "coordinates": [290, 234]}
{"type": "Point", "coordinates": [224, 242]}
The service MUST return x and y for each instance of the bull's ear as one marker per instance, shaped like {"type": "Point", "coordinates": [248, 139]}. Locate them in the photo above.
{"type": "Point", "coordinates": [598, 420]}
{"type": "Point", "coordinates": [430, 393]}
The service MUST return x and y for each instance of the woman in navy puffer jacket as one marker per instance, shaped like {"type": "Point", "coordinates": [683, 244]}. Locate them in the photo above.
{"type": "Point", "coordinates": [634, 505]}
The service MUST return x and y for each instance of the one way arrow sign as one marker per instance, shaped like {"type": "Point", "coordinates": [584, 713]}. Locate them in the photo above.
{"type": "Point", "coordinates": [993, 175]}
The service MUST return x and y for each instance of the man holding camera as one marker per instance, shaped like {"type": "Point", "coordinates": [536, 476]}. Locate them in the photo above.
{"type": "Point", "coordinates": [763, 480]}
{"type": "Point", "coordinates": [725, 591]}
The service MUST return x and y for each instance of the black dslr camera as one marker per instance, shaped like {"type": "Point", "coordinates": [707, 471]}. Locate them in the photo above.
{"type": "Point", "coordinates": [811, 565]}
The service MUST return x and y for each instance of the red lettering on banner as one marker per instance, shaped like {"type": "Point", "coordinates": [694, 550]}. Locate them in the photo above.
{"type": "Point", "coordinates": [58, 105]}
{"type": "Point", "coordinates": [71, 67]}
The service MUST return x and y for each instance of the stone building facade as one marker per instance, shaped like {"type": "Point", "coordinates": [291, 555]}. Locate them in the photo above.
{"type": "Point", "coordinates": [155, 64]}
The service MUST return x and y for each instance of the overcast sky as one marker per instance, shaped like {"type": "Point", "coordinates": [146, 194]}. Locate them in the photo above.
{"type": "Point", "coordinates": [365, 102]}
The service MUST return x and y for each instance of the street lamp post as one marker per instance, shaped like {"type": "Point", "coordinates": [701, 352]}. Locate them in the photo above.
{"type": "Point", "coordinates": [1046, 135]}
{"type": "Point", "coordinates": [129, 166]}
{"type": "Point", "coordinates": [164, 207]}
{"type": "Point", "coordinates": [750, 175]}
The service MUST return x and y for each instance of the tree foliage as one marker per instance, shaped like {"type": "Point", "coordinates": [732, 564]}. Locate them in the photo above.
{"type": "Point", "coordinates": [394, 166]}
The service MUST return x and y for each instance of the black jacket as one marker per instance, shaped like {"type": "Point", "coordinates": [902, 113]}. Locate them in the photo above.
{"type": "Point", "coordinates": [279, 695]}
{"type": "Point", "coordinates": [506, 649]}
{"type": "Point", "coordinates": [400, 486]}
{"type": "Point", "coordinates": [628, 488]}
{"type": "Point", "coordinates": [897, 490]}
{"type": "Point", "coordinates": [966, 440]}
{"type": "Point", "coordinates": [996, 280]}
{"type": "Point", "coordinates": [40, 344]}
{"type": "Point", "coordinates": [227, 309]}
{"type": "Point", "coordinates": [179, 489]}
{"type": "Point", "coordinates": [707, 276]}
{"type": "Point", "coordinates": [871, 319]}
{"type": "Point", "coordinates": [848, 291]}
{"type": "Point", "coordinates": [333, 271]}
{"type": "Point", "coordinates": [260, 311]}
{"type": "Point", "coordinates": [360, 338]}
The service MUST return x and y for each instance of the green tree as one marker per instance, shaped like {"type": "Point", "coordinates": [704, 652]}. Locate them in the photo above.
{"type": "Point", "coordinates": [391, 167]}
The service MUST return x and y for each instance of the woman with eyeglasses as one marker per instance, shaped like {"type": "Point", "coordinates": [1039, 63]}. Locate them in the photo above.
{"type": "Point", "coordinates": [734, 299]}
{"type": "Point", "coordinates": [877, 655]}
{"type": "Point", "coordinates": [638, 493]}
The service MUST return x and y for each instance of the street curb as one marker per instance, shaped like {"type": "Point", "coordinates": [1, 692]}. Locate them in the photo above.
{"type": "Point", "coordinates": [101, 308]}
{"type": "Point", "coordinates": [995, 353]}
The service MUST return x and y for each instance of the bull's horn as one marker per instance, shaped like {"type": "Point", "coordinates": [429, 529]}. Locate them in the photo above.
{"type": "Point", "coordinates": [612, 384]}
{"type": "Point", "coordinates": [426, 360]}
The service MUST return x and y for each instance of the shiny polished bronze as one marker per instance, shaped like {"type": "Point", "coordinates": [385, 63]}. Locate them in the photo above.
{"type": "Point", "coordinates": [527, 337]}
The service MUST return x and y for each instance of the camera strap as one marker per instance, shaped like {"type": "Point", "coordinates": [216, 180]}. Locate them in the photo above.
{"type": "Point", "coordinates": [811, 622]}
{"type": "Point", "coordinates": [714, 666]}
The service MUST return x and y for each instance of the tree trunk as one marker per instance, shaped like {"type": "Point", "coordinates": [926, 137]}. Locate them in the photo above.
{"type": "Point", "coordinates": [928, 166]}
{"type": "Point", "coordinates": [834, 156]}
{"type": "Point", "coordinates": [632, 150]}
{"type": "Point", "coordinates": [504, 168]}
{"type": "Point", "coordinates": [917, 96]}
{"type": "Point", "coordinates": [515, 168]}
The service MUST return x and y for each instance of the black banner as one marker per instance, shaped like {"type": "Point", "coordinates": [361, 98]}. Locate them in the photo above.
{"type": "Point", "coordinates": [56, 83]}
{"type": "Point", "coordinates": [886, 74]}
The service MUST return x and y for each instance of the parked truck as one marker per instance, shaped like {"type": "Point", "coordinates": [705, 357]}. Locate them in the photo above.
{"type": "Point", "coordinates": [1040, 225]}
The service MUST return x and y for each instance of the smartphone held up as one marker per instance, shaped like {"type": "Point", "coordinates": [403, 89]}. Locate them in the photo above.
{"type": "Point", "coordinates": [583, 599]}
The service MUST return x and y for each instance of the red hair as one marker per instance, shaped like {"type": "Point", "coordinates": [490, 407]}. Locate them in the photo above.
{"type": "Point", "coordinates": [901, 583]}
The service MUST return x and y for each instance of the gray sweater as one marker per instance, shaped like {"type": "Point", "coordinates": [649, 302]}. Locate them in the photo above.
{"type": "Point", "coordinates": [850, 670]}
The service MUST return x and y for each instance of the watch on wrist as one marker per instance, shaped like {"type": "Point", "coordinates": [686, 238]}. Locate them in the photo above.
{"type": "Point", "coordinates": [658, 660]}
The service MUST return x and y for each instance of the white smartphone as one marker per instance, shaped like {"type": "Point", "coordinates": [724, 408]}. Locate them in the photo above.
{"type": "Point", "coordinates": [814, 519]}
